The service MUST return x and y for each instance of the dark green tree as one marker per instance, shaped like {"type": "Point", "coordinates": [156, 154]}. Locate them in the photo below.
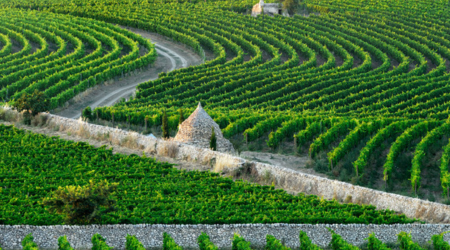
{"type": "Point", "coordinates": [82, 205]}
{"type": "Point", "coordinates": [213, 141]}
{"type": "Point", "coordinates": [87, 113]}
{"type": "Point", "coordinates": [181, 117]}
{"type": "Point", "coordinates": [165, 126]}
{"type": "Point", "coordinates": [32, 104]}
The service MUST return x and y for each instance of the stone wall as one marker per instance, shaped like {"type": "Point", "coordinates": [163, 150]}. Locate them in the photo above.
{"type": "Point", "coordinates": [288, 179]}
{"type": "Point", "coordinates": [186, 235]}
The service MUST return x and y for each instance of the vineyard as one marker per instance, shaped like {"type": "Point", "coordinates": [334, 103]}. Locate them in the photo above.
{"type": "Point", "coordinates": [360, 86]}
{"type": "Point", "coordinates": [405, 242]}
{"type": "Point", "coordinates": [33, 165]}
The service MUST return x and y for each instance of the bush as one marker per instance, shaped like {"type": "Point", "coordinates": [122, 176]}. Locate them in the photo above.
{"type": "Point", "coordinates": [239, 243]}
{"type": "Point", "coordinates": [99, 243]}
{"type": "Point", "coordinates": [181, 120]}
{"type": "Point", "coordinates": [205, 243]}
{"type": "Point", "coordinates": [133, 243]}
{"type": "Point", "coordinates": [82, 205]}
{"type": "Point", "coordinates": [337, 243]}
{"type": "Point", "coordinates": [406, 242]}
{"type": "Point", "coordinates": [165, 126]}
{"type": "Point", "coordinates": [63, 244]}
{"type": "Point", "coordinates": [213, 141]}
{"type": "Point", "coordinates": [28, 243]}
{"type": "Point", "coordinates": [87, 113]}
{"type": "Point", "coordinates": [375, 244]}
{"type": "Point", "coordinates": [32, 104]}
{"type": "Point", "coordinates": [305, 242]}
{"type": "Point", "coordinates": [274, 244]}
{"type": "Point", "coordinates": [169, 243]}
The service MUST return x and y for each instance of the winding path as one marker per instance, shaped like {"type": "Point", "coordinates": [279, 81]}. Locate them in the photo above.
{"type": "Point", "coordinates": [171, 56]}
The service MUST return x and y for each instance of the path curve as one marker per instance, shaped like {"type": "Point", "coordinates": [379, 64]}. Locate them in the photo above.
{"type": "Point", "coordinates": [171, 56]}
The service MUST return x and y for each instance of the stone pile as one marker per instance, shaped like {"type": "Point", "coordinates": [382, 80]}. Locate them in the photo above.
{"type": "Point", "coordinates": [196, 130]}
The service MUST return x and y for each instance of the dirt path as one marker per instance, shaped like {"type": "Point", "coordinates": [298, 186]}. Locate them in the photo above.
{"type": "Point", "coordinates": [171, 56]}
{"type": "Point", "coordinates": [288, 161]}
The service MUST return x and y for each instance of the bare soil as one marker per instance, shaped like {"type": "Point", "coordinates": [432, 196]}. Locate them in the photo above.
{"type": "Point", "coordinates": [178, 56]}
{"type": "Point", "coordinates": [297, 163]}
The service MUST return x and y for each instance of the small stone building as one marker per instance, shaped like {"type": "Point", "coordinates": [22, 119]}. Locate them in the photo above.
{"type": "Point", "coordinates": [196, 130]}
{"type": "Point", "coordinates": [268, 8]}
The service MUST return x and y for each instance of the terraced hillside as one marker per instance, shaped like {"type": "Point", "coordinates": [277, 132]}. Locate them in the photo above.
{"type": "Point", "coordinates": [360, 84]}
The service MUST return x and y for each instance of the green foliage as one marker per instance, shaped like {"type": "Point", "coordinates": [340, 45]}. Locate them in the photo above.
{"type": "Point", "coordinates": [375, 244]}
{"type": "Point", "coordinates": [213, 140]}
{"type": "Point", "coordinates": [337, 243]}
{"type": "Point", "coordinates": [181, 120]}
{"type": "Point", "coordinates": [273, 244]}
{"type": "Point", "coordinates": [150, 192]}
{"type": "Point", "coordinates": [63, 244]}
{"type": "Point", "coordinates": [305, 242]}
{"type": "Point", "coordinates": [87, 113]}
{"type": "Point", "coordinates": [82, 205]}
{"type": "Point", "coordinates": [169, 243]}
{"type": "Point", "coordinates": [165, 126]}
{"type": "Point", "coordinates": [28, 243]}
{"type": "Point", "coordinates": [439, 243]}
{"type": "Point", "coordinates": [204, 243]}
{"type": "Point", "coordinates": [406, 243]}
{"type": "Point", "coordinates": [239, 243]}
{"type": "Point", "coordinates": [133, 243]}
{"type": "Point", "coordinates": [32, 104]}
{"type": "Point", "coordinates": [99, 243]}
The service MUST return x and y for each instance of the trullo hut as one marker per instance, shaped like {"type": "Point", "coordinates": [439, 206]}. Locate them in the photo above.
{"type": "Point", "coordinates": [196, 130]}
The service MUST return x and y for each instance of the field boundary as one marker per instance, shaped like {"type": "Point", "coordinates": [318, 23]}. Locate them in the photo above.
{"type": "Point", "coordinates": [151, 236]}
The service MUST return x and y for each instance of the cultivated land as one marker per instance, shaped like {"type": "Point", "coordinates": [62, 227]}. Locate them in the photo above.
{"type": "Point", "coordinates": [356, 90]}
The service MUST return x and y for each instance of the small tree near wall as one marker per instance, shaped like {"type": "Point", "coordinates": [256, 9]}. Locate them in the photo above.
{"type": "Point", "coordinates": [32, 104]}
{"type": "Point", "coordinates": [213, 141]}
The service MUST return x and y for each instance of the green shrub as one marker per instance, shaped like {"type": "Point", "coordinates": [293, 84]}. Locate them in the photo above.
{"type": "Point", "coordinates": [375, 244]}
{"type": "Point", "coordinates": [337, 243]}
{"type": "Point", "coordinates": [439, 243]}
{"type": "Point", "coordinates": [82, 205]}
{"type": "Point", "coordinates": [213, 140]}
{"type": "Point", "coordinates": [169, 243]}
{"type": "Point", "coordinates": [406, 242]}
{"type": "Point", "coordinates": [239, 243]}
{"type": "Point", "coordinates": [63, 244]}
{"type": "Point", "coordinates": [33, 104]}
{"type": "Point", "coordinates": [133, 243]}
{"type": "Point", "coordinates": [181, 120]}
{"type": "Point", "coordinates": [99, 243]}
{"type": "Point", "coordinates": [273, 244]}
{"type": "Point", "coordinates": [165, 126]}
{"type": "Point", "coordinates": [305, 242]}
{"type": "Point", "coordinates": [87, 113]}
{"type": "Point", "coordinates": [28, 243]}
{"type": "Point", "coordinates": [205, 243]}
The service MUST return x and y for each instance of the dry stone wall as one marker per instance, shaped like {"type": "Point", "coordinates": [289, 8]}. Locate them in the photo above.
{"type": "Point", "coordinates": [151, 236]}
{"type": "Point", "coordinates": [287, 179]}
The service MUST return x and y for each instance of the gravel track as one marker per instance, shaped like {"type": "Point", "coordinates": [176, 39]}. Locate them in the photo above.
{"type": "Point", "coordinates": [171, 56]}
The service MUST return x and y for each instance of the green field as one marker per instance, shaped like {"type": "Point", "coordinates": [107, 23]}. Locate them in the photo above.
{"type": "Point", "coordinates": [360, 85]}
{"type": "Point", "coordinates": [33, 165]}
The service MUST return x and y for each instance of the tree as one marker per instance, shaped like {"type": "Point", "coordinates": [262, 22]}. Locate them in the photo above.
{"type": "Point", "coordinates": [87, 113]}
{"type": "Point", "coordinates": [181, 117]}
{"type": "Point", "coordinates": [165, 126]}
{"type": "Point", "coordinates": [82, 205]}
{"type": "Point", "coordinates": [32, 104]}
{"type": "Point", "coordinates": [213, 140]}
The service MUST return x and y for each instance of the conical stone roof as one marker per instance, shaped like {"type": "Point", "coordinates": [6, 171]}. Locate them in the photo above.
{"type": "Point", "coordinates": [196, 130]}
